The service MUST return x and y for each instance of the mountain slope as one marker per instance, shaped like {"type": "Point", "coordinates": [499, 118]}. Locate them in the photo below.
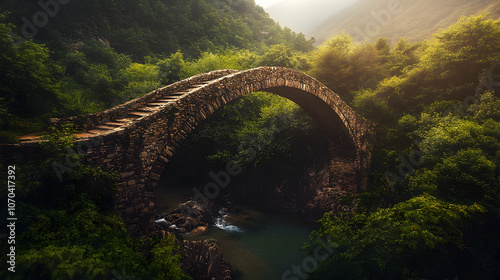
{"type": "Point", "coordinates": [414, 20]}
{"type": "Point", "coordinates": [149, 27]}
{"type": "Point", "coordinates": [62, 58]}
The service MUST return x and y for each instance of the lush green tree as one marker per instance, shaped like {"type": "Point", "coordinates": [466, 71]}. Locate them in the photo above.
{"type": "Point", "coordinates": [404, 56]}
{"type": "Point", "coordinates": [372, 107]}
{"type": "Point", "coordinates": [159, 27]}
{"type": "Point", "coordinates": [139, 79]}
{"type": "Point", "coordinates": [30, 80]}
{"type": "Point", "coordinates": [52, 262]}
{"type": "Point", "coordinates": [279, 55]}
{"type": "Point", "coordinates": [462, 52]}
{"type": "Point", "coordinates": [166, 258]}
{"type": "Point", "coordinates": [331, 65]}
{"type": "Point", "coordinates": [411, 235]}
{"type": "Point", "coordinates": [460, 154]}
{"type": "Point", "coordinates": [228, 59]}
{"type": "Point", "coordinates": [466, 176]}
{"type": "Point", "coordinates": [169, 68]}
{"type": "Point", "coordinates": [487, 107]}
{"type": "Point", "coordinates": [346, 67]}
{"type": "Point", "coordinates": [442, 136]}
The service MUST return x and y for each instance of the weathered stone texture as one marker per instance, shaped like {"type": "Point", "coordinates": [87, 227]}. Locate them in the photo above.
{"type": "Point", "coordinates": [140, 150]}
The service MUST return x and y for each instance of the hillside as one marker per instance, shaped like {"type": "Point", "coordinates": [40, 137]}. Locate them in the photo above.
{"type": "Point", "coordinates": [150, 27]}
{"type": "Point", "coordinates": [414, 20]}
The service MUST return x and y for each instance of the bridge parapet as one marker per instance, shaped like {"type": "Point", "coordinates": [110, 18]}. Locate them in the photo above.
{"type": "Point", "coordinates": [89, 121]}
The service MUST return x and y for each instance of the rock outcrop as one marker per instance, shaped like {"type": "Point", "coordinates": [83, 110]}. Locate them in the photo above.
{"type": "Point", "coordinates": [204, 261]}
{"type": "Point", "coordinates": [191, 216]}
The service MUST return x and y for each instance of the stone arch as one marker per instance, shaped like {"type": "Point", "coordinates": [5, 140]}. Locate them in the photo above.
{"type": "Point", "coordinates": [137, 139]}
{"type": "Point", "coordinates": [344, 129]}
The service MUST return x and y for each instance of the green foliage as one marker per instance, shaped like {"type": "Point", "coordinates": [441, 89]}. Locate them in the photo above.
{"type": "Point", "coordinates": [60, 139]}
{"type": "Point", "coordinates": [370, 106]}
{"type": "Point", "coordinates": [170, 68]}
{"type": "Point", "coordinates": [345, 67]}
{"type": "Point", "coordinates": [67, 228]}
{"type": "Point", "coordinates": [467, 176]}
{"type": "Point", "coordinates": [158, 27]}
{"type": "Point", "coordinates": [166, 257]}
{"type": "Point", "coordinates": [228, 59]}
{"type": "Point", "coordinates": [255, 130]}
{"type": "Point", "coordinates": [28, 78]}
{"type": "Point", "coordinates": [461, 161]}
{"type": "Point", "coordinates": [404, 56]}
{"type": "Point", "coordinates": [464, 50]}
{"type": "Point", "coordinates": [97, 77]}
{"type": "Point", "coordinates": [438, 112]}
{"type": "Point", "coordinates": [450, 68]}
{"type": "Point", "coordinates": [453, 134]}
{"type": "Point", "coordinates": [487, 107]}
{"type": "Point", "coordinates": [409, 235]}
{"type": "Point", "coordinates": [139, 79]}
{"type": "Point", "coordinates": [53, 262]}
{"type": "Point", "coordinates": [280, 55]}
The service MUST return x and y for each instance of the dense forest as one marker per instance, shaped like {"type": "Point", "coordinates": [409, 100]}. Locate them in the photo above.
{"type": "Point", "coordinates": [433, 203]}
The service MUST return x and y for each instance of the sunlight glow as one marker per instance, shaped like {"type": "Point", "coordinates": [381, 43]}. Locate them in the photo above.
{"type": "Point", "coordinates": [267, 3]}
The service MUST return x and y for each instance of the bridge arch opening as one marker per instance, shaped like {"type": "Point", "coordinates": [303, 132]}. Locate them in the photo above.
{"type": "Point", "coordinates": [275, 149]}
{"type": "Point", "coordinates": [343, 129]}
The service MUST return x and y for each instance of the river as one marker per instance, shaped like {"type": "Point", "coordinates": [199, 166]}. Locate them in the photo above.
{"type": "Point", "coordinates": [256, 244]}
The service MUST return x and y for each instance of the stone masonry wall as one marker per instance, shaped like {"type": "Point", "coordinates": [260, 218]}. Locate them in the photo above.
{"type": "Point", "coordinates": [140, 151]}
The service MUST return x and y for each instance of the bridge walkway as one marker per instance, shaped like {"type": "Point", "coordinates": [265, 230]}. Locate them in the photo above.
{"type": "Point", "coordinates": [130, 116]}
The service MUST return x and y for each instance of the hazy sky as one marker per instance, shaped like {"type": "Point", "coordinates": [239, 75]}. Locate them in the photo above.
{"type": "Point", "coordinates": [267, 3]}
{"type": "Point", "coordinates": [303, 15]}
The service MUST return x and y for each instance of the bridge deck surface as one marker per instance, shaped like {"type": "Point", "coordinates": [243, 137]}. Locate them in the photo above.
{"type": "Point", "coordinates": [129, 116]}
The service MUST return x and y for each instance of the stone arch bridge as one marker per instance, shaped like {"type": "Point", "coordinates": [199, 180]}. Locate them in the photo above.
{"type": "Point", "coordinates": [137, 139]}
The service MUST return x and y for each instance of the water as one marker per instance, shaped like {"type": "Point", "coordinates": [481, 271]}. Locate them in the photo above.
{"type": "Point", "coordinates": [258, 245]}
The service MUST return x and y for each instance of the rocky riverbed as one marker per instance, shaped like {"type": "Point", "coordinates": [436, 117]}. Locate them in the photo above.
{"type": "Point", "coordinates": [203, 259]}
